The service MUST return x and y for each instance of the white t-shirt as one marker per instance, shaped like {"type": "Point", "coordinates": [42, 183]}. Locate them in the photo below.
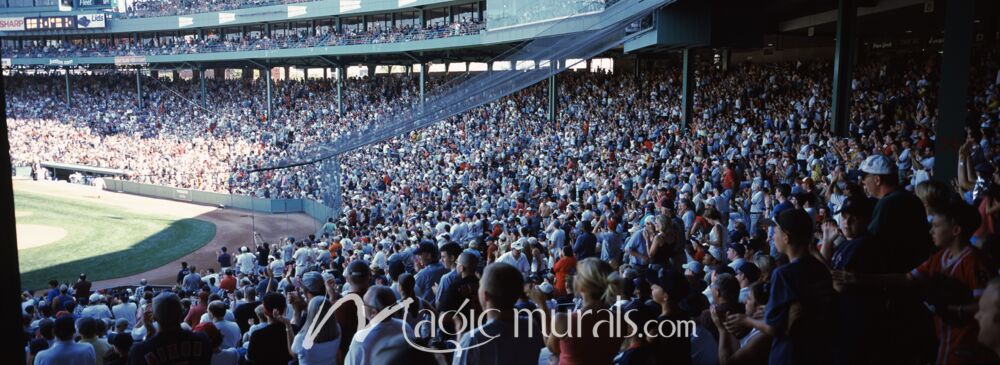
{"type": "Point", "coordinates": [230, 333]}
{"type": "Point", "coordinates": [127, 311]}
{"type": "Point", "coordinates": [207, 317]}
{"type": "Point", "coordinates": [97, 311]}
{"type": "Point", "coordinates": [278, 267]}
{"type": "Point", "coordinates": [302, 257]}
{"type": "Point", "coordinates": [521, 263]}
{"type": "Point", "coordinates": [246, 261]}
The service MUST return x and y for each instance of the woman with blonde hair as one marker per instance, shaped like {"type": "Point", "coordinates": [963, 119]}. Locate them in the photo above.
{"type": "Point", "coordinates": [598, 285]}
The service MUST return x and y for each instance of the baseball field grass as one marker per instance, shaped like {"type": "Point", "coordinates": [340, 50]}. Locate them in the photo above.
{"type": "Point", "coordinates": [100, 240]}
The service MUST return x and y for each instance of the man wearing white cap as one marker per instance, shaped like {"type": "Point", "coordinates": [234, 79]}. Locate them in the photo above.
{"type": "Point", "coordinates": [899, 222]}
{"type": "Point", "coordinates": [96, 308]}
{"type": "Point", "coordinates": [246, 261]}
{"type": "Point", "coordinates": [515, 258]}
{"type": "Point", "coordinates": [899, 226]}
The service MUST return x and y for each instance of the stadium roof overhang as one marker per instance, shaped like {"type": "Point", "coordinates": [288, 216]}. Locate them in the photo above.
{"type": "Point", "coordinates": [812, 23]}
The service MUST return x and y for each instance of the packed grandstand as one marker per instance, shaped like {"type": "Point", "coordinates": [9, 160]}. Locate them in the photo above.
{"type": "Point", "coordinates": [779, 241]}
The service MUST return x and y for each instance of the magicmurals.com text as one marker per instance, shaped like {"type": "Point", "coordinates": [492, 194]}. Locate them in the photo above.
{"type": "Point", "coordinates": [609, 323]}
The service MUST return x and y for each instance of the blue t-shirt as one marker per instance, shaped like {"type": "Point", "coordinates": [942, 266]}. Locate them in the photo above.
{"type": "Point", "coordinates": [803, 286]}
{"type": "Point", "coordinates": [586, 246]}
{"type": "Point", "coordinates": [781, 207]}
{"type": "Point", "coordinates": [854, 312]}
{"type": "Point", "coordinates": [426, 278]}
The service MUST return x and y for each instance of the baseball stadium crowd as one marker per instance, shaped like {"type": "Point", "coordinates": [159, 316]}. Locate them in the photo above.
{"type": "Point", "coordinates": [754, 227]}
{"type": "Point", "coordinates": [254, 41]}
{"type": "Point", "coordinates": [154, 8]}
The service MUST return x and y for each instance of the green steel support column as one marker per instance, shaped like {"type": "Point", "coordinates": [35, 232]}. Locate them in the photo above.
{"type": "Point", "coordinates": [11, 271]}
{"type": "Point", "coordinates": [843, 64]}
{"type": "Point", "coordinates": [201, 81]}
{"type": "Point", "coordinates": [68, 103]}
{"type": "Point", "coordinates": [553, 102]}
{"type": "Point", "coordinates": [267, 72]}
{"type": "Point", "coordinates": [423, 83]}
{"type": "Point", "coordinates": [340, 90]}
{"type": "Point", "coordinates": [687, 89]}
{"type": "Point", "coordinates": [138, 87]}
{"type": "Point", "coordinates": [950, 130]}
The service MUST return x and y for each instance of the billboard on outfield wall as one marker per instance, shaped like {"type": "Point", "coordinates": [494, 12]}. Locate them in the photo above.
{"type": "Point", "coordinates": [9, 24]}
{"type": "Point", "coordinates": [90, 21]}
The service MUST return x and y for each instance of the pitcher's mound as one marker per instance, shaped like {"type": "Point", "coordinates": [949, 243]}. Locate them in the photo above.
{"type": "Point", "coordinates": [34, 235]}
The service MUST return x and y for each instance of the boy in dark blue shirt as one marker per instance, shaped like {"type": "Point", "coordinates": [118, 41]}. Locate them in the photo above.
{"type": "Point", "coordinates": [798, 312]}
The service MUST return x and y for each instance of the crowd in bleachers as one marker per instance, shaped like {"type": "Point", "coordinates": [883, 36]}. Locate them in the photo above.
{"type": "Point", "coordinates": [778, 241]}
{"type": "Point", "coordinates": [154, 8]}
{"type": "Point", "coordinates": [303, 38]}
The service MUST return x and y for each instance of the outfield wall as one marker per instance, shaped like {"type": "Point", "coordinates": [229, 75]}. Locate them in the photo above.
{"type": "Point", "coordinates": [317, 211]}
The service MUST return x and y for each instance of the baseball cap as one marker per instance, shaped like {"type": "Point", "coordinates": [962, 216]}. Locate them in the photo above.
{"type": "Point", "coordinates": [796, 222]}
{"type": "Point", "coordinates": [749, 270]}
{"type": "Point", "coordinates": [740, 249]}
{"type": "Point", "coordinates": [672, 281]}
{"type": "Point", "coordinates": [452, 248]}
{"type": "Point", "coordinates": [695, 267]}
{"type": "Point", "coordinates": [716, 252]}
{"type": "Point", "coordinates": [546, 288]}
{"type": "Point", "coordinates": [878, 165]}
{"type": "Point", "coordinates": [426, 247]}
{"type": "Point", "coordinates": [358, 268]}
{"type": "Point", "coordinates": [858, 206]}
{"type": "Point", "coordinates": [396, 268]}
{"type": "Point", "coordinates": [313, 282]}
{"type": "Point", "coordinates": [94, 298]}
{"type": "Point", "coordinates": [517, 245]}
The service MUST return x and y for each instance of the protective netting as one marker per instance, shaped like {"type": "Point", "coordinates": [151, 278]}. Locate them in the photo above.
{"type": "Point", "coordinates": [575, 38]}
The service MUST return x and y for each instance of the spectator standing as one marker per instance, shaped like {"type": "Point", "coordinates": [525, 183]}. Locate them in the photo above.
{"type": "Point", "coordinates": [168, 334]}
{"type": "Point", "coordinates": [64, 350]}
